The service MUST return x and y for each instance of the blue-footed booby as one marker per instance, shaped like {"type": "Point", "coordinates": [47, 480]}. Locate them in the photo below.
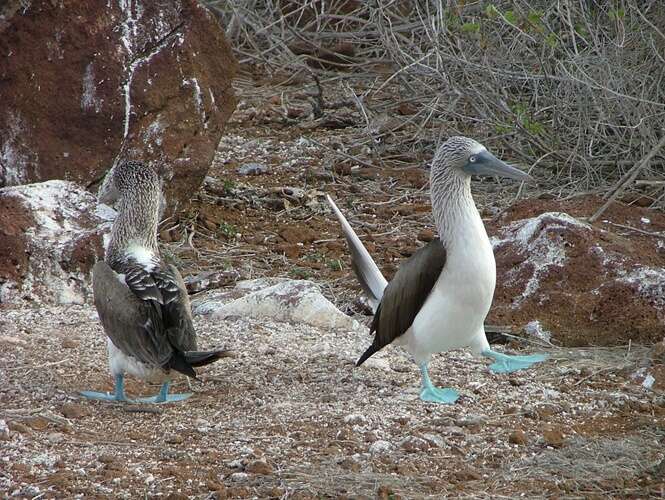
{"type": "Point", "coordinates": [141, 300]}
{"type": "Point", "coordinates": [440, 296]}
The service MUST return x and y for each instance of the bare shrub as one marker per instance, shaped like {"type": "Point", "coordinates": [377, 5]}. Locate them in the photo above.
{"type": "Point", "coordinates": [574, 88]}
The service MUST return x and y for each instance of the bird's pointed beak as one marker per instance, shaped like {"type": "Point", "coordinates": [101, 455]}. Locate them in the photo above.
{"type": "Point", "coordinates": [487, 164]}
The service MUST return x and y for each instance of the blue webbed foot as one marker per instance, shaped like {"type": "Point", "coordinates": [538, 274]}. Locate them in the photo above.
{"type": "Point", "coordinates": [117, 396]}
{"type": "Point", "coordinates": [164, 396]}
{"type": "Point", "coordinates": [504, 363]}
{"type": "Point", "coordinates": [435, 394]}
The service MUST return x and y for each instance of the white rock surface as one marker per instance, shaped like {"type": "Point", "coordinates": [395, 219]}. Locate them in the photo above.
{"type": "Point", "coordinates": [66, 219]}
{"type": "Point", "coordinates": [294, 301]}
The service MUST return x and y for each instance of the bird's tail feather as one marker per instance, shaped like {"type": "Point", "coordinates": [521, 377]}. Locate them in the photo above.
{"type": "Point", "coordinates": [202, 358]}
{"type": "Point", "coordinates": [370, 350]}
{"type": "Point", "coordinates": [179, 363]}
{"type": "Point", "coordinates": [371, 280]}
{"type": "Point", "coordinates": [184, 362]}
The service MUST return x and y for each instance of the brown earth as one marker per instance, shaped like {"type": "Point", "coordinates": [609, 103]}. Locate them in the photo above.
{"type": "Point", "coordinates": [66, 117]}
{"type": "Point", "coordinates": [14, 222]}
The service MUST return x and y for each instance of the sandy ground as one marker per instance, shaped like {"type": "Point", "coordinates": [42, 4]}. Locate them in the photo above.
{"type": "Point", "coordinates": [290, 417]}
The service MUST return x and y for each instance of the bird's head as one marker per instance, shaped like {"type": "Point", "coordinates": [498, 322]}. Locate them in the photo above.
{"type": "Point", "coordinates": [466, 157]}
{"type": "Point", "coordinates": [128, 177]}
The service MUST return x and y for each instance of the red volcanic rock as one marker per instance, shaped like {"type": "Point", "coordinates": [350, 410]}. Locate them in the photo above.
{"type": "Point", "coordinates": [85, 83]}
{"type": "Point", "coordinates": [587, 284]}
{"type": "Point", "coordinates": [51, 234]}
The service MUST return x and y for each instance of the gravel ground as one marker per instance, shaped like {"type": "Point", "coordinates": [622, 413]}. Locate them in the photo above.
{"type": "Point", "coordinates": [290, 417]}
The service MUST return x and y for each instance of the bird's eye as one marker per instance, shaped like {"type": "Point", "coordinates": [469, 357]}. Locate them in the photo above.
{"type": "Point", "coordinates": [472, 159]}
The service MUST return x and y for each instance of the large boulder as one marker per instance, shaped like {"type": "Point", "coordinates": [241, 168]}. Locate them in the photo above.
{"type": "Point", "coordinates": [85, 83]}
{"type": "Point", "coordinates": [600, 284]}
{"type": "Point", "coordinates": [51, 234]}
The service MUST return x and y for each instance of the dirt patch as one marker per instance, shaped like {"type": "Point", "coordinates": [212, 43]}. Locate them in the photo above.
{"type": "Point", "coordinates": [15, 219]}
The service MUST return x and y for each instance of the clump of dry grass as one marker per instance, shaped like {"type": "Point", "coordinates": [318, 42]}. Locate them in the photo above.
{"type": "Point", "coordinates": [573, 89]}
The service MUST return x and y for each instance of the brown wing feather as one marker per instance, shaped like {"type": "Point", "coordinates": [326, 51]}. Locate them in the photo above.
{"type": "Point", "coordinates": [147, 317]}
{"type": "Point", "coordinates": [405, 295]}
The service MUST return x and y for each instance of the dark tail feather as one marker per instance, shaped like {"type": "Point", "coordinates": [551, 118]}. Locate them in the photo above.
{"type": "Point", "coordinates": [202, 358]}
{"type": "Point", "coordinates": [179, 363]}
{"type": "Point", "coordinates": [370, 350]}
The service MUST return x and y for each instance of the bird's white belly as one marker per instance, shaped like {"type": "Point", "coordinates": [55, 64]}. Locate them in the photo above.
{"type": "Point", "coordinates": [120, 363]}
{"type": "Point", "coordinates": [453, 315]}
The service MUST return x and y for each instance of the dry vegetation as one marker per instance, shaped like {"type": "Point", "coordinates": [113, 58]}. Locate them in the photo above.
{"type": "Point", "coordinates": [573, 88]}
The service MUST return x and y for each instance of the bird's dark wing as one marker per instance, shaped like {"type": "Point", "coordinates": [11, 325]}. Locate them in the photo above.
{"type": "Point", "coordinates": [147, 314]}
{"type": "Point", "coordinates": [405, 295]}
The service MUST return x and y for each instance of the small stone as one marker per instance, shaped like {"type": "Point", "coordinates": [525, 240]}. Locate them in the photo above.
{"type": "Point", "coordinates": [426, 235]}
{"type": "Point", "coordinates": [70, 343]}
{"type": "Point", "coordinates": [413, 444]}
{"type": "Point", "coordinates": [174, 439]}
{"type": "Point", "coordinates": [215, 486]}
{"type": "Point", "coordinates": [71, 410]}
{"type": "Point", "coordinates": [260, 467]}
{"type": "Point", "coordinates": [238, 463]}
{"type": "Point", "coordinates": [239, 476]}
{"type": "Point", "coordinates": [471, 420]}
{"type": "Point", "coordinates": [355, 419]}
{"type": "Point", "coordinates": [253, 169]}
{"type": "Point", "coordinates": [55, 437]}
{"type": "Point", "coordinates": [434, 440]}
{"type": "Point", "coordinates": [7, 340]}
{"type": "Point", "coordinates": [37, 423]}
{"type": "Point", "coordinates": [380, 446]}
{"type": "Point", "coordinates": [453, 430]}
{"type": "Point", "coordinates": [517, 437]}
{"type": "Point", "coordinates": [553, 437]}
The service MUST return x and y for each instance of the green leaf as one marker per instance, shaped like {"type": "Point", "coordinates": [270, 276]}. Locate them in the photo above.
{"type": "Point", "coordinates": [491, 11]}
{"type": "Point", "coordinates": [510, 16]}
{"type": "Point", "coordinates": [552, 40]}
{"type": "Point", "coordinates": [471, 27]}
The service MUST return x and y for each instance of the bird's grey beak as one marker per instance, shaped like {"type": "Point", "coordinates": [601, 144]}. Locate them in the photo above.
{"type": "Point", "coordinates": [487, 164]}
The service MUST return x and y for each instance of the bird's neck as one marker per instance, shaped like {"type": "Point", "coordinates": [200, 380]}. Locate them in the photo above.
{"type": "Point", "coordinates": [455, 214]}
{"type": "Point", "coordinates": [135, 225]}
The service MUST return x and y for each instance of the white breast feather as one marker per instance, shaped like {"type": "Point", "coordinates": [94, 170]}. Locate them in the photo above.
{"type": "Point", "coordinates": [144, 256]}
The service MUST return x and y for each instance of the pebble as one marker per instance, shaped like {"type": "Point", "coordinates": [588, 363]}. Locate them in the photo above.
{"type": "Point", "coordinates": [517, 437]}
{"type": "Point", "coordinates": [71, 410]}
{"type": "Point", "coordinates": [174, 439]}
{"type": "Point", "coordinates": [553, 437]}
{"type": "Point", "coordinates": [55, 437]}
{"type": "Point", "coordinates": [355, 419]}
{"type": "Point", "coordinates": [239, 476]}
{"type": "Point", "coordinates": [253, 169]}
{"type": "Point", "coordinates": [18, 427]}
{"type": "Point", "coordinates": [434, 440]}
{"type": "Point", "coordinates": [413, 444]}
{"type": "Point", "coordinates": [260, 467]}
{"type": "Point", "coordinates": [380, 446]}
{"type": "Point", "coordinates": [471, 420]}
{"type": "Point", "coordinates": [70, 343]}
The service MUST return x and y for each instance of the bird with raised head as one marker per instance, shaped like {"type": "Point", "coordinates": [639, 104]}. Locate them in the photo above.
{"type": "Point", "coordinates": [440, 296]}
{"type": "Point", "coordinates": [141, 300]}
